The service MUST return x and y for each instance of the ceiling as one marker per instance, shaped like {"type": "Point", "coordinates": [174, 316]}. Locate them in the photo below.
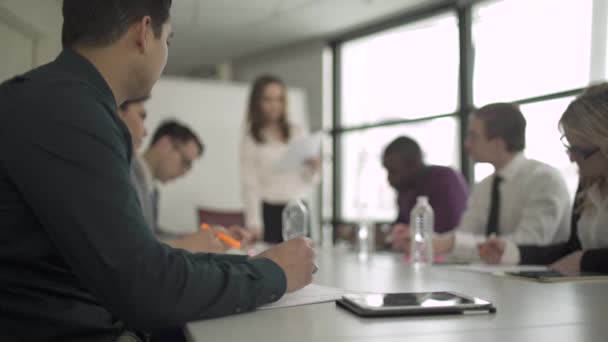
{"type": "Point", "coordinates": [208, 32]}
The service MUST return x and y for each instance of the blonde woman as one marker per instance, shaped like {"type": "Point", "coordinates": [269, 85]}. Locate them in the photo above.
{"type": "Point", "coordinates": [585, 135]}
{"type": "Point", "coordinates": [266, 188]}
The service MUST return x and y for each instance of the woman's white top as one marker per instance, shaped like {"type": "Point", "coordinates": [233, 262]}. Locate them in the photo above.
{"type": "Point", "coordinates": [593, 223]}
{"type": "Point", "coordinates": [263, 181]}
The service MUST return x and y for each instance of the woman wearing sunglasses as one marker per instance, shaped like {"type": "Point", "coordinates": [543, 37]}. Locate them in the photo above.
{"type": "Point", "coordinates": [585, 135]}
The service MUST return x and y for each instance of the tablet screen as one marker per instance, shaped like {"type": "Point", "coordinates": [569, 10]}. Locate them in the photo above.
{"type": "Point", "coordinates": [414, 299]}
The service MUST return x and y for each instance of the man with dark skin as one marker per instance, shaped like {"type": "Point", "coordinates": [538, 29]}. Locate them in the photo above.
{"type": "Point", "coordinates": [411, 177]}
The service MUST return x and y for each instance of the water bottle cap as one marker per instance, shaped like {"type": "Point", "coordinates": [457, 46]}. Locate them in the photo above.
{"type": "Point", "coordinates": [422, 199]}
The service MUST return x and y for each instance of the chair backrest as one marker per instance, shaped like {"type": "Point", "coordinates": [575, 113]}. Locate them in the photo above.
{"type": "Point", "coordinates": [224, 218]}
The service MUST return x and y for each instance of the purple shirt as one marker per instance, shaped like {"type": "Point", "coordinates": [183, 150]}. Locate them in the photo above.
{"type": "Point", "coordinates": [447, 192]}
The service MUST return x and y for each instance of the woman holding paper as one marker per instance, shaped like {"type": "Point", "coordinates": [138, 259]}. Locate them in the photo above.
{"type": "Point", "coordinates": [269, 178]}
{"type": "Point", "coordinates": [585, 128]}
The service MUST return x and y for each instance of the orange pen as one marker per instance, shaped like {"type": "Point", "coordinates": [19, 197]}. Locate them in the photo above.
{"type": "Point", "coordinates": [225, 238]}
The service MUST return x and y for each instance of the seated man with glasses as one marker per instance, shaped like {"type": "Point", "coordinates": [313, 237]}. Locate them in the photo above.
{"type": "Point", "coordinates": [133, 114]}
{"type": "Point", "coordinates": [172, 151]}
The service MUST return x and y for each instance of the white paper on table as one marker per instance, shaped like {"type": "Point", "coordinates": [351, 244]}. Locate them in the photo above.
{"type": "Point", "coordinates": [496, 269]}
{"type": "Point", "coordinates": [310, 294]}
{"type": "Point", "coordinates": [299, 150]}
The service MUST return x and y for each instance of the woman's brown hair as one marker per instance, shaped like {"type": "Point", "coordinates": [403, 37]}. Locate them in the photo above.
{"type": "Point", "coordinates": [255, 115]}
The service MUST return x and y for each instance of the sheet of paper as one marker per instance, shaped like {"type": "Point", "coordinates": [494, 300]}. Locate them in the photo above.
{"type": "Point", "coordinates": [300, 149]}
{"type": "Point", "coordinates": [310, 294]}
{"type": "Point", "coordinates": [495, 269]}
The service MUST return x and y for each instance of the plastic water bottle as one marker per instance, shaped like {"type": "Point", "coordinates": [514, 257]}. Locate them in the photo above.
{"type": "Point", "coordinates": [366, 238]}
{"type": "Point", "coordinates": [295, 220]}
{"type": "Point", "coordinates": [422, 220]}
{"type": "Point", "coordinates": [327, 236]}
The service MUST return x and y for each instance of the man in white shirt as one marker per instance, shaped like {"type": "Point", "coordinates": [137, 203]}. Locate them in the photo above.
{"type": "Point", "coordinates": [524, 201]}
{"type": "Point", "coordinates": [172, 151]}
{"type": "Point", "coordinates": [133, 114]}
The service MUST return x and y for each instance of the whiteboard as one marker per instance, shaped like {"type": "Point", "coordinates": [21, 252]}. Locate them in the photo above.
{"type": "Point", "coordinates": [215, 110]}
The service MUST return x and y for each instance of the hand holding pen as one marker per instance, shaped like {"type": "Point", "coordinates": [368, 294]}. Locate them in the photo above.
{"type": "Point", "coordinates": [223, 237]}
{"type": "Point", "coordinates": [492, 250]}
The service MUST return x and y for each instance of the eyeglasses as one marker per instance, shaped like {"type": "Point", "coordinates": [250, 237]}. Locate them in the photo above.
{"type": "Point", "coordinates": [584, 153]}
{"type": "Point", "coordinates": [186, 162]}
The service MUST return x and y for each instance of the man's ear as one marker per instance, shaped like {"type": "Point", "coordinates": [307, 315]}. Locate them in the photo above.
{"type": "Point", "coordinates": [500, 143]}
{"type": "Point", "coordinates": [142, 31]}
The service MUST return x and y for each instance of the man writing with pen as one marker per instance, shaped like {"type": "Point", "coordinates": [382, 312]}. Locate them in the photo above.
{"type": "Point", "coordinates": [173, 150]}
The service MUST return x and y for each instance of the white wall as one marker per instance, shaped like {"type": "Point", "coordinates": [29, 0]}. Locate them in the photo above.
{"type": "Point", "coordinates": [30, 32]}
{"type": "Point", "coordinates": [18, 55]}
{"type": "Point", "coordinates": [298, 65]}
{"type": "Point", "coordinates": [215, 111]}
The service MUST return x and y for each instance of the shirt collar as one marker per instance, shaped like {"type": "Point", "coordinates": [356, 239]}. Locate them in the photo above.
{"type": "Point", "coordinates": [594, 194]}
{"type": "Point", "coordinates": [513, 167]}
{"type": "Point", "coordinates": [149, 178]}
{"type": "Point", "coordinates": [82, 68]}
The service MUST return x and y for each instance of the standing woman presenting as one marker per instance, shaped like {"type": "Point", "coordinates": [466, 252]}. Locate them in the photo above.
{"type": "Point", "coordinates": [267, 188]}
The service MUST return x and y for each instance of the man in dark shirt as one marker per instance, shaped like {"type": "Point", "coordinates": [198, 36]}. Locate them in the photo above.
{"type": "Point", "coordinates": [446, 189]}
{"type": "Point", "coordinates": [77, 261]}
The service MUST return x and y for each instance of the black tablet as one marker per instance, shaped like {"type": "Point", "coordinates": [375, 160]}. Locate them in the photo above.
{"type": "Point", "coordinates": [413, 303]}
{"type": "Point", "coordinates": [552, 276]}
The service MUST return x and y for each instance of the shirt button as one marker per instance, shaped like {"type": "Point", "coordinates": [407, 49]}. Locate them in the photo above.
{"type": "Point", "coordinates": [238, 310]}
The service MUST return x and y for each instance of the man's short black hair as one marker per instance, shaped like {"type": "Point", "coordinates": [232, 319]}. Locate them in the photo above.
{"type": "Point", "coordinates": [98, 23]}
{"type": "Point", "coordinates": [178, 133]}
{"type": "Point", "coordinates": [505, 121]}
{"type": "Point", "coordinates": [406, 148]}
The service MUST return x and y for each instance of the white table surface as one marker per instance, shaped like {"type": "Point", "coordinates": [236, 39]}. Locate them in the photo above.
{"type": "Point", "coordinates": [527, 311]}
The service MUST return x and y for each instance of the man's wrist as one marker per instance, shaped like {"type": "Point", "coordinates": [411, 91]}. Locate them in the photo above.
{"type": "Point", "coordinates": [445, 243]}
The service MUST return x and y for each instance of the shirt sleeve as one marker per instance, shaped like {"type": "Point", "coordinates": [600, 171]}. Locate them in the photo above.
{"type": "Point", "coordinates": [469, 232]}
{"type": "Point", "coordinates": [543, 255]}
{"type": "Point", "coordinates": [71, 167]}
{"type": "Point", "coordinates": [250, 184]}
{"type": "Point", "coordinates": [595, 260]}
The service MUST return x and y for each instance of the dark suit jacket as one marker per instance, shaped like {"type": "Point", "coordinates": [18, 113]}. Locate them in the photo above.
{"type": "Point", "coordinates": [77, 260]}
{"type": "Point", "coordinates": [594, 260]}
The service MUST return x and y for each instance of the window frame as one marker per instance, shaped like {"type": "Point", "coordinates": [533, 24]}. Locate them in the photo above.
{"type": "Point", "coordinates": [463, 9]}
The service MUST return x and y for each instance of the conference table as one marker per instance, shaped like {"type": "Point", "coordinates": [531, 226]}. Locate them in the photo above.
{"type": "Point", "coordinates": [526, 310]}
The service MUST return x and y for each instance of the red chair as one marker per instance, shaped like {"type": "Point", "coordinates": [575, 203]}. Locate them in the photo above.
{"type": "Point", "coordinates": [220, 217]}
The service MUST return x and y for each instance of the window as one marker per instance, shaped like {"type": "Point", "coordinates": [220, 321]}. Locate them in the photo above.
{"type": "Point", "coordinates": [408, 72]}
{"type": "Point", "coordinates": [365, 189]}
{"type": "Point", "coordinates": [405, 81]}
{"type": "Point", "coordinates": [543, 137]}
{"type": "Point", "coordinates": [543, 140]}
{"type": "Point", "coordinates": [525, 48]}
{"type": "Point", "coordinates": [404, 73]}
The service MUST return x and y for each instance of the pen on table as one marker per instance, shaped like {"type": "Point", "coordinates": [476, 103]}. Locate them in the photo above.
{"type": "Point", "coordinates": [225, 238]}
